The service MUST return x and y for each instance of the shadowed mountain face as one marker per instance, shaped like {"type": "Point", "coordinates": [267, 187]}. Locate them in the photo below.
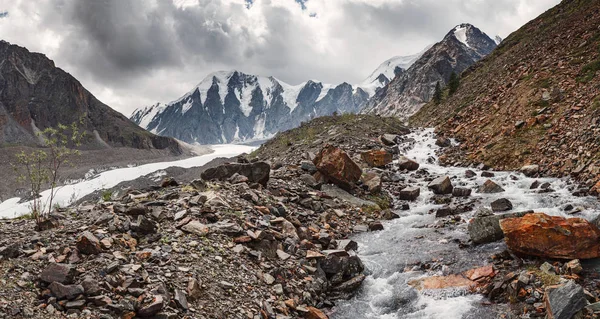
{"type": "Point", "coordinates": [35, 94]}
{"type": "Point", "coordinates": [405, 94]}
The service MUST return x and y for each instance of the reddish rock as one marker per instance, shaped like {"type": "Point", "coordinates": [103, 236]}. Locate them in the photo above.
{"type": "Point", "coordinates": [546, 236]}
{"type": "Point", "coordinates": [88, 244]}
{"type": "Point", "coordinates": [375, 158]}
{"type": "Point", "coordinates": [337, 167]}
{"type": "Point", "coordinates": [442, 282]}
{"type": "Point", "coordinates": [405, 163]}
{"type": "Point", "coordinates": [314, 313]}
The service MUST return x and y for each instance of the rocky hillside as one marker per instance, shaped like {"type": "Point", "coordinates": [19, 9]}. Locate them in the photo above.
{"type": "Point", "coordinates": [35, 94]}
{"type": "Point", "coordinates": [272, 241]}
{"type": "Point", "coordinates": [403, 96]}
{"type": "Point", "coordinates": [534, 100]}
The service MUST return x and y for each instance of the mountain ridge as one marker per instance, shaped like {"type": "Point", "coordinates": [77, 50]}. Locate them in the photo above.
{"type": "Point", "coordinates": [404, 95]}
{"type": "Point", "coordinates": [36, 95]}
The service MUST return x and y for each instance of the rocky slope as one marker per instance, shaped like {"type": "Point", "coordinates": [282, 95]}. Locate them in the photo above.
{"type": "Point", "coordinates": [35, 94]}
{"type": "Point", "coordinates": [403, 96]}
{"type": "Point", "coordinates": [234, 106]}
{"type": "Point", "coordinates": [533, 100]}
{"type": "Point", "coordinates": [270, 239]}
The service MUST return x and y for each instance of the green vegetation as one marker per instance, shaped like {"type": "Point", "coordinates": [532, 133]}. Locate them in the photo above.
{"type": "Point", "coordinates": [437, 95]}
{"type": "Point", "coordinates": [588, 72]}
{"type": "Point", "coordinates": [43, 166]}
{"type": "Point", "coordinates": [107, 195]}
{"type": "Point", "coordinates": [453, 83]}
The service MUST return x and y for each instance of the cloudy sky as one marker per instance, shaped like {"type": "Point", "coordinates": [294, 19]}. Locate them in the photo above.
{"type": "Point", "coordinates": [132, 53]}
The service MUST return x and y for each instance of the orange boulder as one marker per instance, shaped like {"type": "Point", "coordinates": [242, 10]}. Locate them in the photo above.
{"type": "Point", "coordinates": [546, 236]}
{"type": "Point", "coordinates": [375, 158]}
{"type": "Point", "coordinates": [337, 167]}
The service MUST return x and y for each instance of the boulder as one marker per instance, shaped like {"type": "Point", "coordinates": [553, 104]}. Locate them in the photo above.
{"type": "Point", "coordinates": [486, 229]}
{"type": "Point", "coordinates": [308, 166]}
{"type": "Point", "coordinates": [372, 181]}
{"type": "Point", "coordinates": [443, 142]}
{"type": "Point", "coordinates": [546, 236]}
{"type": "Point", "coordinates": [487, 174]}
{"type": "Point", "coordinates": [69, 292]}
{"type": "Point", "coordinates": [446, 210]}
{"type": "Point", "coordinates": [337, 167]}
{"type": "Point", "coordinates": [375, 158]}
{"type": "Point", "coordinates": [314, 313]}
{"type": "Point", "coordinates": [88, 244]}
{"type": "Point", "coordinates": [409, 193]}
{"type": "Point", "coordinates": [404, 163]}
{"type": "Point", "coordinates": [489, 187]}
{"type": "Point", "coordinates": [258, 172]}
{"type": "Point", "coordinates": [564, 301]}
{"type": "Point", "coordinates": [441, 185]}
{"type": "Point", "coordinates": [461, 192]}
{"type": "Point", "coordinates": [152, 308]}
{"type": "Point", "coordinates": [196, 227]}
{"type": "Point", "coordinates": [60, 273]}
{"type": "Point", "coordinates": [530, 170]}
{"type": "Point", "coordinates": [389, 139]}
{"type": "Point", "coordinates": [501, 205]}
{"type": "Point", "coordinates": [469, 173]}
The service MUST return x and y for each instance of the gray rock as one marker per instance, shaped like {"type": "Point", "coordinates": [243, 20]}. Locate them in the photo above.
{"type": "Point", "coordinates": [310, 181]}
{"type": "Point", "coordinates": [564, 301]}
{"type": "Point", "coordinates": [530, 170]}
{"type": "Point", "coordinates": [199, 185]}
{"type": "Point", "coordinates": [308, 166]}
{"type": "Point", "coordinates": [196, 227]}
{"type": "Point", "coordinates": [489, 187]}
{"type": "Point", "coordinates": [143, 225]}
{"type": "Point", "coordinates": [389, 139]}
{"type": "Point", "coordinates": [10, 251]}
{"type": "Point", "coordinates": [69, 292]}
{"type": "Point", "coordinates": [91, 287]}
{"type": "Point", "coordinates": [180, 299]}
{"type": "Point", "coordinates": [405, 163]}
{"type": "Point", "coordinates": [461, 192]}
{"type": "Point", "coordinates": [409, 193]}
{"type": "Point", "coordinates": [153, 308]}
{"type": "Point", "coordinates": [60, 273]}
{"type": "Point", "coordinates": [339, 193]}
{"type": "Point", "coordinates": [180, 215]}
{"type": "Point", "coordinates": [441, 185]}
{"type": "Point", "coordinates": [469, 173]}
{"type": "Point", "coordinates": [446, 210]}
{"type": "Point", "coordinates": [347, 245]}
{"type": "Point", "coordinates": [486, 229]}
{"type": "Point", "coordinates": [255, 172]}
{"type": "Point", "coordinates": [443, 141]}
{"type": "Point", "coordinates": [501, 205]}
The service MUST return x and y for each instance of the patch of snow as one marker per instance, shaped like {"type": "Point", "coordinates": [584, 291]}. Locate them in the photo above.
{"type": "Point", "coordinates": [245, 96]}
{"type": "Point", "coordinates": [324, 91]}
{"type": "Point", "coordinates": [387, 68]}
{"type": "Point", "coordinates": [147, 114]}
{"type": "Point", "coordinates": [267, 86]}
{"type": "Point", "coordinates": [498, 39]}
{"type": "Point", "coordinates": [259, 127]}
{"type": "Point", "coordinates": [460, 33]}
{"type": "Point", "coordinates": [187, 106]}
{"type": "Point", "coordinates": [290, 93]}
{"type": "Point", "coordinates": [69, 193]}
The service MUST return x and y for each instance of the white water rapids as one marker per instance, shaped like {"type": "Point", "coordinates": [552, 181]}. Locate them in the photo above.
{"type": "Point", "coordinates": [390, 254]}
{"type": "Point", "coordinates": [65, 195]}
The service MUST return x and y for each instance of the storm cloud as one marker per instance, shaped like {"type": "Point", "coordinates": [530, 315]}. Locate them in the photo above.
{"type": "Point", "coordinates": [132, 53]}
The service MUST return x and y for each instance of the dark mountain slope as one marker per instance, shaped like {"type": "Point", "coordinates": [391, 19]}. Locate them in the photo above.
{"type": "Point", "coordinates": [35, 94]}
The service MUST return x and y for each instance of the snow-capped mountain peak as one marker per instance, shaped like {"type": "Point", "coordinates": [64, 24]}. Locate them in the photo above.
{"type": "Point", "coordinates": [460, 33]}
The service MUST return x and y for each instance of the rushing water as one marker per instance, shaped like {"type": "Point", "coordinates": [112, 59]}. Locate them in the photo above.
{"type": "Point", "coordinates": [67, 194]}
{"type": "Point", "coordinates": [391, 254]}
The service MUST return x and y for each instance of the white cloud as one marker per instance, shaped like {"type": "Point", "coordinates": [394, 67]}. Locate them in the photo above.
{"type": "Point", "coordinates": [131, 53]}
